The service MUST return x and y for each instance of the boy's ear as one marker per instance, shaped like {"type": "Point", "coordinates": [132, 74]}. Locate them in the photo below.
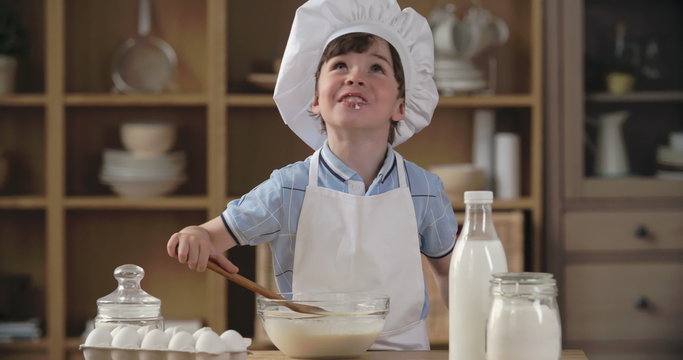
{"type": "Point", "coordinates": [315, 106]}
{"type": "Point", "coordinates": [399, 112]}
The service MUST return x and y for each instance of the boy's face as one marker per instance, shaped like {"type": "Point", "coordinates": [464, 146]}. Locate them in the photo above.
{"type": "Point", "coordinates": [358, 93]}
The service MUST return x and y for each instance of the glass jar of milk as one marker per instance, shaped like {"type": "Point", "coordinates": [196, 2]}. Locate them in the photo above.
{"type": "Point", "coordinates": [524, 321]}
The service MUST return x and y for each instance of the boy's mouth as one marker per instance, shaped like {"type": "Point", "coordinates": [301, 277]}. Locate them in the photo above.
{"type": "Point", "coordinates": [353, 100]}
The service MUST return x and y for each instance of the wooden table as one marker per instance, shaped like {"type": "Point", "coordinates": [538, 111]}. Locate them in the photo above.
{"type": "Point", "coordinates": [401, 355]}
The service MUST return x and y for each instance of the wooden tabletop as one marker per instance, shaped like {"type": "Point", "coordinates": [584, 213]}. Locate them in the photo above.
{"type": "Point", "coordinates": [401, 355]}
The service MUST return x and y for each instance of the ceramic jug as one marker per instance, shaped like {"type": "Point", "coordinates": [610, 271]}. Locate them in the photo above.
{"type": "Point", "coordinates": [611, 159]}
{"type": "Point", "coordinates": [457, 42]}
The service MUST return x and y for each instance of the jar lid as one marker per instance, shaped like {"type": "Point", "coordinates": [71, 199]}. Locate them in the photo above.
{"type": "Point", "coordinates": [129, 300]}
{"type": "Point", "coordinates": [523, 283]}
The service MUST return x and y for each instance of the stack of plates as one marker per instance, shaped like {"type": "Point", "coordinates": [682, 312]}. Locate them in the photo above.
{"type": "Point", "coordinates": [129, 175]}
{"type": "Point", "coordinates": [669, 163]}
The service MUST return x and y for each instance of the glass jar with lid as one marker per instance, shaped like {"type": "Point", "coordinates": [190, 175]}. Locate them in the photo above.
{"type": "Point", "coordinates": [524, 321]}
{"type": "Point", "coordinates": [129, 304]}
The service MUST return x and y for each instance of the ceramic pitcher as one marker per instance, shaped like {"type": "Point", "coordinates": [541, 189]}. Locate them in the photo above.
{"type": "Point", "coordinates": [611, 159]}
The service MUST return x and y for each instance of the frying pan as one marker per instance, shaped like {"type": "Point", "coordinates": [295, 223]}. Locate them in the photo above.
{"type": "Point", "coordinates": [143, 64]}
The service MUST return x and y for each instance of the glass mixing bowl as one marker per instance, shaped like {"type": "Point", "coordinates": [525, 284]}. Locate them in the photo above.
{"type": "Point", "coordinates": [349, 326]}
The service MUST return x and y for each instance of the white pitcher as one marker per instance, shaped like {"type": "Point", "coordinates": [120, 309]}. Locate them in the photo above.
{"type": "Point", "coordinates": [611, 159]}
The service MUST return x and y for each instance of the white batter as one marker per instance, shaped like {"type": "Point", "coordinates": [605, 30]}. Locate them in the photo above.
{"type": "Point", "coordinates": [327, 337]}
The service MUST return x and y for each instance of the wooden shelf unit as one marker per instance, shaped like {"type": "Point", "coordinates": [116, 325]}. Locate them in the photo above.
{"type": "Point", "coordinates": [58, 124]}
{"type": "Point", "coordinates": [614, 243]}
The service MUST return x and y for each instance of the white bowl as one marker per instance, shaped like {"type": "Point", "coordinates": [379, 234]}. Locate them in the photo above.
{"type": "Point", "coordinates": [352, 325]}
{"type": "Point", "coordinates": [148, 138]}
{"type": "Point", "coordinates": [141, 188]}
{"type": "Point", "coordinates": [669, 155]}
{"type": "Point", "coordinates": [458, 178]}
{"type": "Point", "coordinates": [142, 175]}
{"type": "Point", "coordinates": [121, 158]}
{"type": "Point", "coordinates": [160, 173]}
{"type": "Point", "coordinates": [676, 140]}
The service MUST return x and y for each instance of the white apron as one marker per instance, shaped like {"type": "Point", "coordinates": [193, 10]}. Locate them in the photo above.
{"type": "Point", "coordinates": [347, 242]}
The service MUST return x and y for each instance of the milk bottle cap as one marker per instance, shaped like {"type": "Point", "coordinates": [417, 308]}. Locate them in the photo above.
{"type": "Point", "coordinates": [478, 196]}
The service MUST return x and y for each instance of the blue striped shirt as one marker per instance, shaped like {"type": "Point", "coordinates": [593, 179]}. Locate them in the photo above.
{"type": "Point", "coordinates": [270, 212]}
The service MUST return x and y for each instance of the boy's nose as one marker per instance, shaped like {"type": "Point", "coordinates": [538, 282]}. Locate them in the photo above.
{"type": "Point", "coordinates": [354, 81]}
{"type": "Point", "coordinates": [354, 78]}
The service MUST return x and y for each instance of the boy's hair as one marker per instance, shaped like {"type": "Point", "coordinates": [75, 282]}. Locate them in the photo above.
{"type": "Point", "coordinates": [359, 42]}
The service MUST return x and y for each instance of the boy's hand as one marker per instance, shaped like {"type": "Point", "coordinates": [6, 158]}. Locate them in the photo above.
{"type": "Point", "coordinates": [193, 246]}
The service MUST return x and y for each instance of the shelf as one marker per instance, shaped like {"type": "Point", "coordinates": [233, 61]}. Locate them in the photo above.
{"type": "Point", "coordinates": [637, 97]}
{"type": "Point", "coordinates": [250, 100]}
{"type": "Point", "coordinates": [72, 230]}
{"type": "Point", "coordinates": [479, 101]}
{"type": "Point", "coordinates": [25, 345]}
{"type": "Point", "coordinates": [109, 202]}
{"type": "Point", "coordinates": [463, 101]}
{"type": "Point", "coordinates": [22, 100]}
{"type": "Point", "coordinates": [135, 100]}
{"type": "Point", "coordinates": [22, 202]}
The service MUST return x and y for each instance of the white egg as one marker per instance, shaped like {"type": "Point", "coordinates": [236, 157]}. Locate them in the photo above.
{"type": "Point", "coordinates": [172, 331]}
{"type": "Point", "coordinates": [210, 342]}
{"type": "Point", "coordinates": [127, 338]}
{"type": "Point", "coordinates": [155, 339]}
{"type": "Point", "coordinates": [99, 337]}
{"type": "Point", "coordinates": [143, 330]}
{"type": "Point", "coordinates": [234, 341]}
{"type": "Point", "coordinates": [116, 329]}
{"type": "Point", "coordinates": [182, 341]}
{"type": "Point", "coordinates": [200, 331]}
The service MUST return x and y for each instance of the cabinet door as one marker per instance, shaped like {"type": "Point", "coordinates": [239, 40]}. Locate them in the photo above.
{"type": "Point", "coordinates": [624, 302]}
{"type": "Point", "coordinates": [622, 142]}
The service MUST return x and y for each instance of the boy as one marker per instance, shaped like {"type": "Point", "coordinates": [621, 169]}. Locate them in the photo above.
{"type": "Point", "coordinates": [354, 216]}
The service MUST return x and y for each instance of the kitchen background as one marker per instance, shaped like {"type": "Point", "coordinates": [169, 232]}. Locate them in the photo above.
{"type": "Point", "coordinates": [588, 94]}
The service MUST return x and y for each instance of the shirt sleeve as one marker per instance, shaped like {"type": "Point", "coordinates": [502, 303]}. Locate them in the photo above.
{"type": "Point", "coordinates": [438, 227]}
{"type": "Point", "coordinates": [255, 217]}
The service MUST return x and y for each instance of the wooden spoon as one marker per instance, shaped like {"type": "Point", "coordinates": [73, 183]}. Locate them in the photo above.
{"type": "Point", "coordinates": [252, 286]}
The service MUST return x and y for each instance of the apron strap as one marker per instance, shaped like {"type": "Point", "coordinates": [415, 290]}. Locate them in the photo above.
{"type": "Point", "coordinates": [313, 171]}
{"type": "Point", "coordinates": [401, 168]}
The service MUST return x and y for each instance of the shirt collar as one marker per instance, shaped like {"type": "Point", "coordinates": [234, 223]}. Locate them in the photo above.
{"type": "Point", "coordinates": [345, 173]}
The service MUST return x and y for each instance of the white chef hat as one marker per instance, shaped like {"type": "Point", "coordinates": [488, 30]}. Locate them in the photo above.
{"type": "Point", "coordinates": [317, 22]}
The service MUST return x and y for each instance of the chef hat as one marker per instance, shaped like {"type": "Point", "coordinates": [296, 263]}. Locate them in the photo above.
{"type": "Point", "coordinates": [317, 22]}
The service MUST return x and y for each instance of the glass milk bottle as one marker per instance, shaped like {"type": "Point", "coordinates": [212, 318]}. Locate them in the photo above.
{"type": "Point", "coordinates": [524, 322]}
{"type": "Point", "coordinates": [478, 254]}
{"type": "Point", "coordinates": [129, 304]}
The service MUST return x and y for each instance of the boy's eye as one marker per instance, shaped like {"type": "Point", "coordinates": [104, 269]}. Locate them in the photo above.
{"type": "Point", "coordinates": [339, 65]}
{"type": "Point", "coordinates": [377, 68]}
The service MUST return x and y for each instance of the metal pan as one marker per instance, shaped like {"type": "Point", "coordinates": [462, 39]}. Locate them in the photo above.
{"type": "Point", "coordinates": [143, 64]}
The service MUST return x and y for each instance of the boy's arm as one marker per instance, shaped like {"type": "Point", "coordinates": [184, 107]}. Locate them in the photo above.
{"type": "Point", "coordinates": [194, 245]}
{"type": "Point", "coordinates": [440, 268]}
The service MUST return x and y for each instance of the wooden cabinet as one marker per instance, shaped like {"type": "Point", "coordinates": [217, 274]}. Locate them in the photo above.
{"type": "Point", "coordinates": [615, 242]}
{"type": "Point", "coordinates": [634, 301]}
{"type": "Point", "coordinates": [66, 231]}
